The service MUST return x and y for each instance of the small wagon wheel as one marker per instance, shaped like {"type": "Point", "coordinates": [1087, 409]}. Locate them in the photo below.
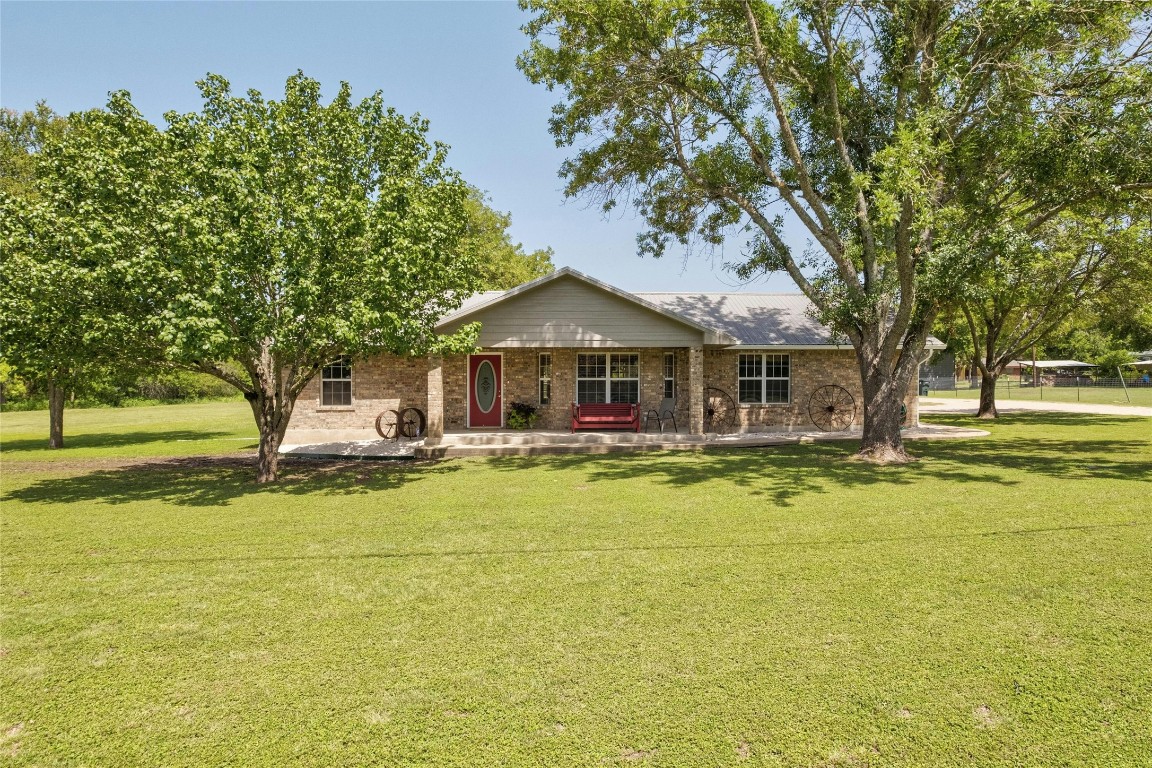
{"type": "Point", "coordinates": [719, 411]}
{"type": "Point", "coordinates": [412, 423]}
{"type": "Point", "coordinates": [832, 408]}
{"type": "Point", "coordinates": [386, 424]}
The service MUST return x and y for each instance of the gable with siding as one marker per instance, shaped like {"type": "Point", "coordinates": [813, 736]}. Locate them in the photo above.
{"type": "Point", "coordinates": [567, 311]}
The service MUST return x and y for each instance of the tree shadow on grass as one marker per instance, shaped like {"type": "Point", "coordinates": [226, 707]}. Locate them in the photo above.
{"type": "Point", "coordinates": [210, 481]}
{"type": "Point", "coordinates": [114, 440]}
{"type": "Point", "coordinates": [783, 473]}
{"type": "Point", "coordinates": [779, 473]}
{"type": "Point", "coordinates": [1029, 447]}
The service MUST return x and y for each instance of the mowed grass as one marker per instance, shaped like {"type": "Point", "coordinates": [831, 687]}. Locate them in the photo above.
{"type": "Point", "coordinates": [1007, 391]}
{"type": "Point", "coordinates": [115, 433]}
{"type": "Point", "coordinates": [988, 605]}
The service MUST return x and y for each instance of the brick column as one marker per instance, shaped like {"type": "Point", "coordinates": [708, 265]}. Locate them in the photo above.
{"type": "Point", "coordinates": [696, 390]}
{"type": "Point", "coordinates": [435, 400]}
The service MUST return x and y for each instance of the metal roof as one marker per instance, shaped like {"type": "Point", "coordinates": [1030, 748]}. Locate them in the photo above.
{"type": "Point", "coordinates": [1052, 364]}
{"type": "Point", "coordinates": [753, 319]}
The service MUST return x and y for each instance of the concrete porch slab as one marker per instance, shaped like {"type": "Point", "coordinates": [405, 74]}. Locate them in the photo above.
{"type": "Point", "coordinates": [516, 443]}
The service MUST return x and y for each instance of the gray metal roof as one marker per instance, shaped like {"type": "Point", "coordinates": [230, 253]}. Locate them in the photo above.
{"type": "Point", "coordinates": [474, 301]}
{"type": "Point", "coordinates": [754, 319]}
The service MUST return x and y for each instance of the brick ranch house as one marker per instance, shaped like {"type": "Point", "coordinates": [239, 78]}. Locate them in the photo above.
{"type": "Point", "coordinates": [568, 338]}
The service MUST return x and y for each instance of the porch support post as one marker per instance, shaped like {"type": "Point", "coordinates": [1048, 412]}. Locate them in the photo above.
{"type": "Point", "coordinates": [435, 414]}
{"type": "Point", "coordinates": [696, 390]}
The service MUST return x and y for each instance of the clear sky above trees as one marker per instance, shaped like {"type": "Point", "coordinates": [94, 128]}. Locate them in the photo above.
{"type": "Point", "coordinates": [452, 62]}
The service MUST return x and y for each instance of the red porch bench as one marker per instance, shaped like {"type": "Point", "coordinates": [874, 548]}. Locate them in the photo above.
{"type": "Point", "coordinates": [605, 416]}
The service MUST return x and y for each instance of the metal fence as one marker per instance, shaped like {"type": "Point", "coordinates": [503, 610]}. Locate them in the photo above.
{"type": "Point", "coordinates": [1051, 386]}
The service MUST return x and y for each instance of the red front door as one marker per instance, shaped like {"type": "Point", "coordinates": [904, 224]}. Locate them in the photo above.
{"type": "Point", "coordinates": [485, 398]}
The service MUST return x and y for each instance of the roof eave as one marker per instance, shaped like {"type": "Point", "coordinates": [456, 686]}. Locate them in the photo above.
{"type": "Point", "coordinates": [932, 344]}
{"type": "Point", "coordinates": [790, 346]}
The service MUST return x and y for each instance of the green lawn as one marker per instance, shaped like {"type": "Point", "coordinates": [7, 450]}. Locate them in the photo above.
{"type": "Point", "coordinates": [1011, 390]}
{"type": "Point", "coordinates": [162, 430]}
{"type": "Point", "coordinates": [990, 604]}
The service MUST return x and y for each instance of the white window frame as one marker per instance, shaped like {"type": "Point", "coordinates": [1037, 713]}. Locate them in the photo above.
{"type": "Point", "coordinates": [766, 360]}
{"type": "Point", "coordinates": [345, 363]}
{"type": "Point", "coordinates": [545, 383]}
{"type": "Point", "coordinates": [608, 379]}
{"type": "Point", "coordinates": [669, 374]}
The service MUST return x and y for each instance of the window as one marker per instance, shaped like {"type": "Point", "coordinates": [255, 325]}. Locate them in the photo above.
{"type": "Point", "coordinates": [545, 378]}
{"type": "Point", "coordinates": [764, 378]}
{"type": "Point", "coordinates": [591, 386]}
{"type": "Point", "coordinates": [336, 382]}
{"type": "Point", "coordinates": [607, 378]}
{"type": "Point", "coordinates": [669, 374]}
{"type": "Point", "coordinates": [625, 378]}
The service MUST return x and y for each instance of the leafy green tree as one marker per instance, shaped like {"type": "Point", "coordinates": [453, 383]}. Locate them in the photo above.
{"type": "Point", "coordinates": [283, 234]}
{"type": "Point", "coordinates": [951, 328]}
{"type": "Point", "coordinates": [1125, 313]}
{"type": "Point", "coordinates": [21, 136]}
{"type": "Point", "coordinates": [67, 315]}
{"type": "Point", "coordinates": [12, 387]}
{"type": "Point", "coordinates": [1112, 362]}
{"type": "Point", "coordinates": [1084, 339]}
{"type": "Point", "coordinates": [502, 263]}
{"type": "Point", "coordinates": [878, 127]}
{"type": "Point", "coordinates": [1024, 289]}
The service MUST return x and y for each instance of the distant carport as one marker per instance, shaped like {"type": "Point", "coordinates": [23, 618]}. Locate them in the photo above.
{"type": "Point", "coordinates": [1067, 367]}
{"type": "Point", "coordinates": [1141, 365]}
{"type": "Point", "coordinates": [1046, 365]}
{"type": "Point", "coordinates": [1052, 364]}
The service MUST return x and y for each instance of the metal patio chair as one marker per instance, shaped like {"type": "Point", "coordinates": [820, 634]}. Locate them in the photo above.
{"type": "Point", "coordinates": [664, 413]}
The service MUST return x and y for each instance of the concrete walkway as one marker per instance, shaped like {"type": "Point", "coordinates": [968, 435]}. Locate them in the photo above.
{"type": "Point", "coordinates": [510, 443]}
{"type": "Point", "coordinates": [971, 405]}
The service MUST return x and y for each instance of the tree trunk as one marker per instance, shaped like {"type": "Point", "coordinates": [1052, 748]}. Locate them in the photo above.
{"type": "Point", "coordinates": [272, 414]}
{"type": "Point", "coordinates": [55, 415]}
{"type": "Point", "coordinates": [881, 441]}
{"type": "Point", "coordinates": [987, 397]}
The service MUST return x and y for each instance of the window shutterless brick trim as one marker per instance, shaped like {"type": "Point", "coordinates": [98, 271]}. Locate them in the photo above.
{"type": "Point", "coordinates": [336, 384]}
{"type": "Point", "coordinates": [545, 364]}
{"type": "Point", "coordinates": [764, 378]}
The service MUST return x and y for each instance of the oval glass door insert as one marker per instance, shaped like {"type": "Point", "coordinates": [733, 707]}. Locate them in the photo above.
{"type": "Point", "coordinates": [485, 386]}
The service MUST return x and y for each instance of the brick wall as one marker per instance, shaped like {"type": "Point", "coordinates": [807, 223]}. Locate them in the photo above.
{"type": "Point", "coordinates": [391, 382]}
{"type": "Point", "coordinates": [809, 369]}
{"type": "Point", "coordinates": [521, 373]}
{"type": "Point", "coordinates": [382, 383]}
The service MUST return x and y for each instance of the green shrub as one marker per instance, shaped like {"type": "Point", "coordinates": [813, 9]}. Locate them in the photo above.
{"type": "Point", "coordinates": [521, 416]}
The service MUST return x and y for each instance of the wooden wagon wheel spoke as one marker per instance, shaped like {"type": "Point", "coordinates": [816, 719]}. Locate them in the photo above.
{"type": "Point", "coordinates": [832, 408]}
{"type": "Point", "coordinates": [386, 425]}
{"type": "Point", "coordinates": [412, 423]}
{"type": "Point", "coordinates": [719, 411]}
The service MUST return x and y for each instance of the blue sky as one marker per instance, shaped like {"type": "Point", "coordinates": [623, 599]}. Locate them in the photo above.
{"type": "Point", "coordinates": [453, 62]}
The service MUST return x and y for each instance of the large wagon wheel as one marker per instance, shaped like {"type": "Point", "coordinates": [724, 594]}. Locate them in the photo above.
{"type": "Point", "coordinates": [719, 411]}
{"type": "Point", "coordinates": [386, 425]}
{"type": "Point", "coordinates": [832, 408]}
{"type": "Point", "coordinates": [412, 423]}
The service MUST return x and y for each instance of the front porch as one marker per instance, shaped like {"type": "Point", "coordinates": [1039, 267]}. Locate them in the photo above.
{"type": "Point", "coordinates": [357, 445]}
